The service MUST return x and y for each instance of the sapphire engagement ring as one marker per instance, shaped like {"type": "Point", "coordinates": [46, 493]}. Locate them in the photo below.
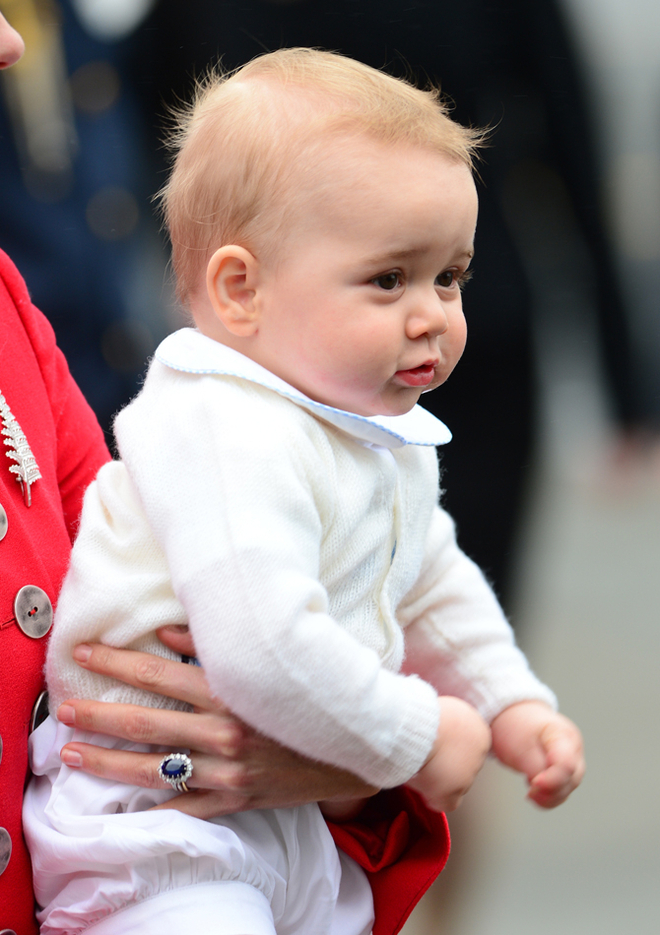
{"type": "Point", "coordinates": [176, 768]}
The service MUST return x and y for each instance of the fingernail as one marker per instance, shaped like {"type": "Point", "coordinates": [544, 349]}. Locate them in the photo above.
{"type": "Point", "coordinates": [71, 758]}
{"type": "Point", "coordinates": [66, 714]}
{"type": "Point", "coordinates": [82, 652]}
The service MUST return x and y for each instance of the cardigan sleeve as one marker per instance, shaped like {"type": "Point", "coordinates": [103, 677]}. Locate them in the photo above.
{"type": "Point", "coordinates": [456, 635]}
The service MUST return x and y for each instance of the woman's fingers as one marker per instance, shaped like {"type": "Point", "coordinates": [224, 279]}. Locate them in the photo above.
{"type": "Point", "coordinates": [219, 786]}
{"type": "Point", "coordinates": [152, 673]}
{"type": "Point", "coordinates": [177, 637]}
{"type": "Point", "coordinates": [211, 803]}
{"type": "Point", "coordinates": [141, 769]}
{"type": "Point", "coordinates": [215, 734]}
{"type": "Point", "coordinates": [116, 765]}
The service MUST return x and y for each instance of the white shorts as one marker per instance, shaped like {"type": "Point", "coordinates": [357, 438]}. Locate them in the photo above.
{"type": "Point", "coordinates": [104, 864]}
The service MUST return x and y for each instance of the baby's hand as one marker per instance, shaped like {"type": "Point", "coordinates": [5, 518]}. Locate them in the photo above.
{"type": "Point", "coordinates": [461, 746]}
{"type": "Point", "coordinates": [533, 739]}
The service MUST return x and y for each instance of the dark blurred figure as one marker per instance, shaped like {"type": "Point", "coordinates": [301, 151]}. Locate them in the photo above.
{"type": "Point", "coordinates": [74, 198]}
{"type": "Point", "coordinates": [509, 65]}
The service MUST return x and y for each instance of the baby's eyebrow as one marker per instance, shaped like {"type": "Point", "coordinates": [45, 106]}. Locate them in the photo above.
{"type": "Point", "coordinates": [396, 255]}
{"type": "Point", "coordinates": [391, 256]}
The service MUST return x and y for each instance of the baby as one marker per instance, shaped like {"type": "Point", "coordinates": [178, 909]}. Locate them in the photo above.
{"type": "Point", "coordinates": [278, 490]}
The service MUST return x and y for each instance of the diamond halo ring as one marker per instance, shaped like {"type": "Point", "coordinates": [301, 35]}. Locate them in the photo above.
{"type": "Point", "coordinates": [176, 769]}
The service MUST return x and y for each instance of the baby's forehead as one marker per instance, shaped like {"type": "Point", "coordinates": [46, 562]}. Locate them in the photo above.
{"type": "Point", "coordinates": [347, 164]}
{"type": "Point", "coordinates": [397, 185]}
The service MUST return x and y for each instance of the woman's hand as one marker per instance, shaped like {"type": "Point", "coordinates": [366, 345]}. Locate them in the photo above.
{"type": "Point", "coordinates": [235, 767]}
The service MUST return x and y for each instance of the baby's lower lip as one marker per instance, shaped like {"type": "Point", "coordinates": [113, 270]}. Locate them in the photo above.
{"type": "Point", "coordinates": [419, 376]}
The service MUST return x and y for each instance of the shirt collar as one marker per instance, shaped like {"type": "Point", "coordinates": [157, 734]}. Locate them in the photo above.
{"type": "Point", "coordinates": [190, 351]}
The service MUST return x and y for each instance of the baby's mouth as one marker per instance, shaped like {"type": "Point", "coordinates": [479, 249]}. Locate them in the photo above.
{"type": "Point", "coordinates": [417, 376]}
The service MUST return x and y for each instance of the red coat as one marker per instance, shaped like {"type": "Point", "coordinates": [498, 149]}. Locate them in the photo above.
{"type": "Point", "coordinates": [401, 845]}
{"type": "Point", "coordinates": [68, 446]}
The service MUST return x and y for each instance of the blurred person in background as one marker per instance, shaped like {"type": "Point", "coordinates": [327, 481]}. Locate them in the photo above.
{"type": "Point", "coordinates": [620, 46]}
{"type": "Point", "coordinates": [74, 197]}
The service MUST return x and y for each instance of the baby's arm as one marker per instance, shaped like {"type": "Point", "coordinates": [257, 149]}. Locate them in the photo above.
{"type": "Point", "coordinates": [461, 745]}
{"type": "Point", "coordinates": [457, 637]}
{"type": "Point", "coordinates": [529, 737]}
{"type": "Point", "coordinates": [458, 640]}
{"type": "Point", "coordinates": [545, 746]}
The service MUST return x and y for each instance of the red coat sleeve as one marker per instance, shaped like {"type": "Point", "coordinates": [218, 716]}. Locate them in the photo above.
{"type": "Point", "coordinates": [80, 448]}
{"type": "Point", "coordinates": [68, 446]}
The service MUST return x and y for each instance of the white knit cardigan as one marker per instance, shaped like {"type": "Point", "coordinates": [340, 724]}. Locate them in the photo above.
{"type": "Point", "coordinates": [306, 550]}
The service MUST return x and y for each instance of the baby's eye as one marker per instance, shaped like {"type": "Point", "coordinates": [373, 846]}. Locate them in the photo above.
{"type": "Point", "coordinates": [451, 277]}
{"type": "Point", "coordinates": [388, 281]}
{"type": "Point", "coordinates": [446, 279]}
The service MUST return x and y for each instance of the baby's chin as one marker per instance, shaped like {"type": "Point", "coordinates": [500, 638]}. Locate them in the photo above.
{"type": "Point", "coordinates": [387, 404]}
{"type": "Point", "coordinates": [399, 408]}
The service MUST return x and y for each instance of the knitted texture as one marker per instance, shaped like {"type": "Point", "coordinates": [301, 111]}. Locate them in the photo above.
{"type": "Point", "coordinates": [294, 550]}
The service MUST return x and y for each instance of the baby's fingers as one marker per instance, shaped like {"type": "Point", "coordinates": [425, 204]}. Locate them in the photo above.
{"type": "Point", "coordinates": [562, 743]}
{"type": "Point", "coordinates": [554, 785]}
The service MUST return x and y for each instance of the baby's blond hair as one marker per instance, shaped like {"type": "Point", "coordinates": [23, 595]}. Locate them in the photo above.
{"type": "Point", "coordinates": [244, 146]}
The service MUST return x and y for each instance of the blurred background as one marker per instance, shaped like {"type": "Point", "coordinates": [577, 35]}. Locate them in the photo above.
{"type": "Point", "coordinates": [554, 471]}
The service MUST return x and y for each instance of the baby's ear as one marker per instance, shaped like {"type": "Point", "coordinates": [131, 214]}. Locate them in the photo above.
{"type": "Point", "coordinates": [229, 282]}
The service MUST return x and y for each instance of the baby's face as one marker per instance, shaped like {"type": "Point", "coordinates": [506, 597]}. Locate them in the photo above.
{"type": "Point", "coordinates": [364, 311]}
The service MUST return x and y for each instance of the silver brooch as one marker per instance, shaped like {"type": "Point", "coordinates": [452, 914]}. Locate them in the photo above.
{"type": "Point", "coordinates": [26, 468]}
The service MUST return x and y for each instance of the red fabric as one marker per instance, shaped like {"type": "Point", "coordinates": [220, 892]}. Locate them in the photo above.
{"type": "Point", "coordinates": [69, 448]}
{"type": "Point", "coordinates": [402, 846]}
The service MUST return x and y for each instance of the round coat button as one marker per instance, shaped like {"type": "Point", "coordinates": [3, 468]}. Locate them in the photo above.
{"type": "Point", "coordinates": [5, 849]}
{"type": "Point", "coordinates": [7, 932]}
{"type": "Point", "coordinates": [3, 533]}
{"type": "Point", "coordinates": [33, 611]}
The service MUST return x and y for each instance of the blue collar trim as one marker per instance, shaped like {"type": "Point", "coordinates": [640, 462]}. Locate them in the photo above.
{"type": "Point", "coordinates": [190, 351]}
